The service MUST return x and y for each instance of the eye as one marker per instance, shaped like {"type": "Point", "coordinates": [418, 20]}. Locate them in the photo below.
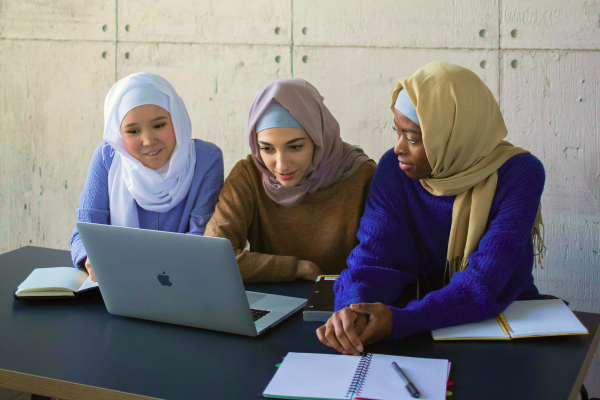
{"type": "Point", "coordinates": [133, 131]}
{"type": "Point", "coordinates": [396, 130]}
{"type": "Point", "coordinates": [159, 126]}
{"type": "Point", "coordinates": [266, 148]}
{"type": "Point", "coordinates": [296, 147]}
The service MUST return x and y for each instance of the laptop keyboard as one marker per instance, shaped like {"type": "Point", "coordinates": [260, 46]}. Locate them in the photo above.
{"type": "Point", "coordinates": [258, 314]}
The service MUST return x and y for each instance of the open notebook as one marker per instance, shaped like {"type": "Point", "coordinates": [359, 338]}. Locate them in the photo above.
{"type": "Point", "coordinates": [54, 283]}
{"type": "Point", "coordinates": [370, 376]}
{"type": "Point", "coordinates": [527, 318]}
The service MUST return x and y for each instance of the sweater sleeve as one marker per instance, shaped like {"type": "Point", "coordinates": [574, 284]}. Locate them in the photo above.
{"type": "Point", "coordinates": [497, 271]}
{"type": "Point", "coordinates": [93, 202]}
{"type": "Point", "coordinates": [208, 193]}
{"type": "Point", "coordinates": [234, 214]}
{"type": "Point", "coordinates": [385, 260]}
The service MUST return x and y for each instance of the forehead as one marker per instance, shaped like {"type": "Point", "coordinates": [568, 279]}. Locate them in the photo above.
{"type": "Point", "coordinates": [281, 135]}
{"type": "Point", "coordinates": [145, 112]}
{"type": "Point", "coordinates": [405, 123]}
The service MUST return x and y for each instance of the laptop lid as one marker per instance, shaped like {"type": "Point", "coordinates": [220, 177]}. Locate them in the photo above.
{"type": "Point", "coordinates": [168, 277]}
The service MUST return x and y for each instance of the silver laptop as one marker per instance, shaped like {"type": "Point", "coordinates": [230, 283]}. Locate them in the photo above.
{"type": "Point", "coordinates": [180, 279]}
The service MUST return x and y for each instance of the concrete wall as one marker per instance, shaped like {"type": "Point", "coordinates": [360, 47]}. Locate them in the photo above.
{"type": "Point", "coordinates": [541, 59]}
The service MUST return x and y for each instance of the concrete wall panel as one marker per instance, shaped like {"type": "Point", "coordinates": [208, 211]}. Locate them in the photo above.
{"type": "Point", "coordinates": [206, 21]}
{"type": "Point", "coordinates": [550, 24]}
{"type": "Point", "coordinates": [391, 23]}
{"type": "Point", "coordinates": [216, 82]}
{"type": "Point", "coordinates": [51, 105]}
{"type": "Point", "coordinates": [549, 99]}
{"type": "Point", "coordinates": [58, 19]}
{"type": "Point", "coordinates": [357, 84]}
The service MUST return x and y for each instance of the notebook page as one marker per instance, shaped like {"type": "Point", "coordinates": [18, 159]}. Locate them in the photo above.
{"type": "Point", "coordinates": [382, 382]}
{"type": "Point", "coordinates": [57, 277]}
{"type": "Point", "coordinates": [313, 376]}
{"type": "Point", "coordinates": [488, 329]}
{"type": "Point", "coordinates": [542, 317]}
{"type": "Point", "coordinates": [88, 284]}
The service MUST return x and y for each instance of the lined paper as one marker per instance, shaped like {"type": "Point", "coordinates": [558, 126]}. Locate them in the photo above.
{"type": "Point", "coordinates": [314, 376]}
{"type": "Point", "coordinates": [383, 383]}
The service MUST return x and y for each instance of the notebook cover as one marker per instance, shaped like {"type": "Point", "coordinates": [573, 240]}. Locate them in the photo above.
{"type": "Point", "coordinates": [320, 304]}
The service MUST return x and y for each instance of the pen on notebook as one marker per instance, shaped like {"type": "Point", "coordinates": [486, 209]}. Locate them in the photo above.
{"type": "Point", "coordinates": [414, 392]}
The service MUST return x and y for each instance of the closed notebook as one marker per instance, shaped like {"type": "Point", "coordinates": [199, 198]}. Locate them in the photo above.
{"type": "Point", "coordinates": [521, 319]}
{"type": "Point", "coordinates": [320, 305]}
{"type": "Point", "coordinates": [370, 376]}
{"type": "Point", "coordinates": [54, 282]}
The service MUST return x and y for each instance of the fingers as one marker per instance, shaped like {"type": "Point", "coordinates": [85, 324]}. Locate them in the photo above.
{"type": "Point", "coordinates": [90, 271]}
{"type": "Point", "coordinates": [380, 323]}
{"type": "Point", "coordinates": [321, 336]}
{"type": "Point", "coordinates": [337, 329]}
{"type": "Point", "coordinates": [366, 308]}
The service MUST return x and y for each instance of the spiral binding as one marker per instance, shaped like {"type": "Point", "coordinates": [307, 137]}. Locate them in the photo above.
{"type": "Point", "coordinates": [357, 382]}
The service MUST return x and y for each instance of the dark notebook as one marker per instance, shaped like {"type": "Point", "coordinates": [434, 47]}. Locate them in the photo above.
{"type": "Point", "coordinates": [320, 305]}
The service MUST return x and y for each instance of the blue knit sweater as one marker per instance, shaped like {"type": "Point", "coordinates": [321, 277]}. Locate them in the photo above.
{"type": "Point", "coordinates": [404, 236]}
{"type": "Point", "coordinates": [189, 216]}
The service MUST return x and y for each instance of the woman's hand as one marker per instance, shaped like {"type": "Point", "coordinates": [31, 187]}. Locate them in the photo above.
{"type": "Point", "coordinates": [342, 330]}
{"type": "Point", "coordinates": [90, 271]}
{"type": "Point", "coordinates": [308, 270]}
{"type": "Point", "coordinates": [348, 330]}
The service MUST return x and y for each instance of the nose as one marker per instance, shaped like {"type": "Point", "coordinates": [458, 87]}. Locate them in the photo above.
{"type": "Point", "coordinates": [148, 139]}
{"type": "Point", "coordinates": [282, 162]}
{"type": "Point", "coordinates": [401, 146]}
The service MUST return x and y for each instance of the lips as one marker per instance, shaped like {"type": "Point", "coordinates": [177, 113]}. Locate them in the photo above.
{"type": "Point", "coordinates": [154, 153]}
{"type": "Point", "coordinates": [287, 177]}
{"type": "Point", "coordinates": [404, 166]}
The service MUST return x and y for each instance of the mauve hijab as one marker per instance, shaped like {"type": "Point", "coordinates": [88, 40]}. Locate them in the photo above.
{"type": "Point", "coordinates": [333, 160]}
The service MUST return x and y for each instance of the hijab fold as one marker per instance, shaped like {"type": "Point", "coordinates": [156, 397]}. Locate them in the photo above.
{"type": "Point", "coordinates": [129, 181]}
{"type": "Point", "coordinates": [463, 135]}
{"type": "Point", "coordinates": [333, 160]}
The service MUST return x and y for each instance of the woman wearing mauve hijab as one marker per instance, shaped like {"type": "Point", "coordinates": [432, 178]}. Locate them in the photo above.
{"type": "Point", "coordinates": [453, 208]}
{"type": "Point", "coordinates": [298, 198]}
{"type": "Point", "coordinates": [148, 172]}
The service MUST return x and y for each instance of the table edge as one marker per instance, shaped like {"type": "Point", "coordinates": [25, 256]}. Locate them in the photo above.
{"type": "Point", "coordinates": [60, 389]}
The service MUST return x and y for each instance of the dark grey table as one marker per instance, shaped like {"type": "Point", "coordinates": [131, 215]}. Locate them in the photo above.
{"type": "Point", "coordinates": [74, 349]}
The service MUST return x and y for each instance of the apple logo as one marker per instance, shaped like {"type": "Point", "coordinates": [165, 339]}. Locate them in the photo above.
{"type": "Point", "coordinates": [164, 279]}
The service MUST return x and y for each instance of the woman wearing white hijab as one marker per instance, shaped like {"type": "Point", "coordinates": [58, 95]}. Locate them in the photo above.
{"type": "Point", "coordinates": [148, 173]}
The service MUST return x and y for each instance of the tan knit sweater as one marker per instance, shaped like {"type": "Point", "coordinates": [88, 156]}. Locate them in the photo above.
{"type": "Point", "coordinates": [321, 229]}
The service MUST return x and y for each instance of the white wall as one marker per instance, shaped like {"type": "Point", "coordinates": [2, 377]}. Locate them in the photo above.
{"type": "Point", "coordinates": [540, 58]}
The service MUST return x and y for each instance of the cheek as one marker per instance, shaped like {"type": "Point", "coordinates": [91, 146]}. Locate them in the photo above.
{"type": "Point", "coordinates": [132, 144]}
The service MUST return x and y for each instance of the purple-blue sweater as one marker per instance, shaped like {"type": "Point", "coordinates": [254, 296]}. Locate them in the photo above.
{"type": "Point", "coordinates": [189, 216]}
{"type": "Point", "coordinates": [403, 236]}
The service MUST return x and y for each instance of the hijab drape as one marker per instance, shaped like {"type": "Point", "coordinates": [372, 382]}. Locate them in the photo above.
{"type": "Point", "coordinates": [463, 132]}
{"type": "Point", "coordinates": [129, 181]}
{"type": "Point", "coordinates": [333, 160]}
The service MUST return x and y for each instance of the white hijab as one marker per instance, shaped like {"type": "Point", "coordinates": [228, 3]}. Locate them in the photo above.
{"type": "Point", "coordinates": [129, 181]}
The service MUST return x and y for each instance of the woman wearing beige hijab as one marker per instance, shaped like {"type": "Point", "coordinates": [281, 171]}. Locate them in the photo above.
{"type": "Point", "coordinates": [298, 198]}
{"type": "Point", "coordinates": [453, 209]}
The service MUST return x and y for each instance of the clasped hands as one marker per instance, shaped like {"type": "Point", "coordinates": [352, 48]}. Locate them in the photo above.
{"type": "Point", "coordinates": [349, 330]}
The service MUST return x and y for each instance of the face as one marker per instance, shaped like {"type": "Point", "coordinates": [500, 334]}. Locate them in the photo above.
{"type": "Point", "coordinates": [409, 148]}
{"type": "Point", "coordinates": [286, 152]}
{"type": "Point", "coordinates": [149, 135]}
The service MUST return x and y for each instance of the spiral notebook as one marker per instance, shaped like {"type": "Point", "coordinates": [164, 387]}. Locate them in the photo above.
{"type": "Point", "coordinates": [370, 376]}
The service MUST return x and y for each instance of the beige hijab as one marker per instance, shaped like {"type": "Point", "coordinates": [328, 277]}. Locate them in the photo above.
{"type": "Point", "coordinates": [463, 132]}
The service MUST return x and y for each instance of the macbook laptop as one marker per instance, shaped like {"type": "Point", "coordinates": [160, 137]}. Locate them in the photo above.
{"type": "Point", "coordinates": [180, 279]}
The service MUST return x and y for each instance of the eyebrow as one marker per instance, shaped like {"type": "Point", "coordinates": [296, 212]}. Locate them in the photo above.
{"type": "Point", "coordinates": [407, 130]}
{"type": "Point", "coordinates": [153, 120]}
{"type": "Point", "coordinates": [290, 142]}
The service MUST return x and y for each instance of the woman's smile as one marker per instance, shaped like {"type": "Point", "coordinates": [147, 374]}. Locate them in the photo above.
{"type": "Point", "coordinates": [287, 177]}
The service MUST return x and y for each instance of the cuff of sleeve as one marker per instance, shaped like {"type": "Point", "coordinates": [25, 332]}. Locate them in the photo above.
{"type": "Point", "coordinates": [285, 269]}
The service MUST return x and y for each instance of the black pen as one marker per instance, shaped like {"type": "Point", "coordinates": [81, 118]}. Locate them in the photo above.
{"type": "Point", "coordinates": [414, 392]}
